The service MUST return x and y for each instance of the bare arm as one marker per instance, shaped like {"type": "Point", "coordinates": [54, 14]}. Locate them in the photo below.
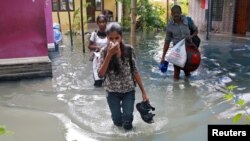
{"type": "Point", "coordinates": [168, 39]}
{"type": "Point", "coordinates": [195, 33]}
{"type": "Point", "coordinates": [92, 42]}
{"type": "Point", "coordinates": [92, 46]}
{"type": "Point", "coordinates": [165, 49]}
{"type": "Point", "coordinates": [103, 69]}
{"type": "Point", "coordinates": [139, 82]}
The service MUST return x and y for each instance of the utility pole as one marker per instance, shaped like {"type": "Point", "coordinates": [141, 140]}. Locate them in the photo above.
{"type": "Point", "coordinates": [58, 16]}
{"type": "Point", "coordinates": [82, 26]}
{"type": "Point", "coordinates": [70, 29]}
{"type": "Point", "coordinates": [167, 4]}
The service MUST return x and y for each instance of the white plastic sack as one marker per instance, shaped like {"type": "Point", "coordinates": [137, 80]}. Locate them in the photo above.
{"type": "Point", "coordinates": [96, 64]}
{"type": "Point", "coordinates": [177, 55]}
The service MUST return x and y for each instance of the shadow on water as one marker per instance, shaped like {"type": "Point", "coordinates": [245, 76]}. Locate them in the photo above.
{"type": "Point", "coordinates": [183, 108]}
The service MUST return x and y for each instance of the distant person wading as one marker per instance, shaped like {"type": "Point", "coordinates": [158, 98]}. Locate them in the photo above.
{"type": "Point", "coordinates": [98, 40]}
{"type": "Point", "coordinates": [177, 29]}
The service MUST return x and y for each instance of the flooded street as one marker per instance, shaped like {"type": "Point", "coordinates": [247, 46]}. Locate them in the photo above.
{"type": "Point", "coordinates": [68, 107]}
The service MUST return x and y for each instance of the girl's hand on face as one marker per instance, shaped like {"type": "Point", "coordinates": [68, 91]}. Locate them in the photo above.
{"type": "Point", "coordinates": [117, 46]}
{"type": "Point", "coordinates": [115, 39]}
{"type": "Point", "coordinates": [113, 48]}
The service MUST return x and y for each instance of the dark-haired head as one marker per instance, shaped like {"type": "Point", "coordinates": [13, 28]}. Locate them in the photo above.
{"type": "Point", "coordinates": [101, 22]}
{"type": "Point", "coordinates": [114, 34]}
{"type": "Point", "coordinates": [101, 17]}
{"type": "Point", "coordinates": [176, 13]}
{"type": "Point", "coordinates": [176, 7]}
{"type": "Point", "coordinates": [114, 27]}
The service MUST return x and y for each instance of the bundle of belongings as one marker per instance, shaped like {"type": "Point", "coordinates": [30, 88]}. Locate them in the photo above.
{"type": "Point", "coordinates": [144, 109]}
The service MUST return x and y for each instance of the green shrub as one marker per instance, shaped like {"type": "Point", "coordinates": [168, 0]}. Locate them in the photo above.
{"type": "Point", "coordinates": [238, 102]}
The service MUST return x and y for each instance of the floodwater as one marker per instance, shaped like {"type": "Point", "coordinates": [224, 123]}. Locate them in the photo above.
{"type": "Point", "coordinates": [68, 108]}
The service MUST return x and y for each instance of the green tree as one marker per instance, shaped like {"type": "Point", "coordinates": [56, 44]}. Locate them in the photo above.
{"type": "Point", "coordinates": [148, 15]}
{"type": "Point", "coordinates": [76, 27]}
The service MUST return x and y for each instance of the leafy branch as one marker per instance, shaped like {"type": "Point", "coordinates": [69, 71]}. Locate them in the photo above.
{"type": "Point", "coordinates": [4, 131]}
{"type": "Point", "coordinates": [229, 95]}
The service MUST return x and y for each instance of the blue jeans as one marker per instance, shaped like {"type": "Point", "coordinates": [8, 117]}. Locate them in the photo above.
{"type": "Point", "coordinates": [121, 106]}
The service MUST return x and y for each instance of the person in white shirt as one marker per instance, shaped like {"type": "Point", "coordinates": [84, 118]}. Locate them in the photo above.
{"type": "Point", "coordinates": [98, 40]}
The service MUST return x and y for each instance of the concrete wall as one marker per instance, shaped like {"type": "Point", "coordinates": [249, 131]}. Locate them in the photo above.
{"type": "Point", "coordinates": [197, 14]}
{"type": "Point", "coordinates": [110, 5]}
{"type": "Point", "coordinates": [224, 26]}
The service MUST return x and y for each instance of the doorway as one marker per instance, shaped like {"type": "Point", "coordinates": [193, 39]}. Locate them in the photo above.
{"type": "Point", "coordinates": [241, 21]}
{"type": "Point", "coordinates": [91, 10]}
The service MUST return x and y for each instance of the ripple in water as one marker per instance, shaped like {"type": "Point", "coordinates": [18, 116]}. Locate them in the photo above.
{"type": "Point", "coordinates": [92, 114]}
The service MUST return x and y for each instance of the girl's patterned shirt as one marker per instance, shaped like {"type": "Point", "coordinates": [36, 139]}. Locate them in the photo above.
{"type": "Point", "coordinates": [123, 81]}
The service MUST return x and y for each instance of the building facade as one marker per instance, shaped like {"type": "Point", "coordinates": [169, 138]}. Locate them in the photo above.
{"type": "Point", "coordinates": [91, 9]}
{"type": "Point", "coordinates": [23, 40]}
{"type": "Point", "coordinates": [227, 16]}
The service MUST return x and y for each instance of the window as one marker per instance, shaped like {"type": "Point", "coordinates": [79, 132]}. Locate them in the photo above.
{"type": "Point", "coordinates": [217, 10]}
{"type": "Point", "coordinates": [98, 5]}
{"type": "Point", "coordinates": [62, 5]}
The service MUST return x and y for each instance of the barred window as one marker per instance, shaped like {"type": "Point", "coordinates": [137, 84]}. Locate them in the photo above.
{"type": "Point", "coordinates": [217, 10]}
{"type": "Point", "coordinates": [62, 5]}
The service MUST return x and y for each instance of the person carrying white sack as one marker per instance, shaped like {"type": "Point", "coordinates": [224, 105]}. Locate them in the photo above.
{"type": "Point", "coordinates": [176, 30]}
{"type": "Point", "coordinates": [98, 40]}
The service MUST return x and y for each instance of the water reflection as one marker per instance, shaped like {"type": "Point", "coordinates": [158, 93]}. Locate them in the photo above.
{"type": "Point", "coordinates": [183, 108]}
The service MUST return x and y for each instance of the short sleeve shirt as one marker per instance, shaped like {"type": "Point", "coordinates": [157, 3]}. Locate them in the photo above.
{"type": "Point", "coordinates": [101, 42]}
{"type": "Point", "coordinates": [176, 32]}
{"type": "Point", "coordinates": [123, 81]}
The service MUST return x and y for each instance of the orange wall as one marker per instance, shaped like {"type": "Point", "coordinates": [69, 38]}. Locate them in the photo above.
{"type": "Point", "coordinates": [110, 5]}
{"type": "Point", "coordinates": [64, 18]}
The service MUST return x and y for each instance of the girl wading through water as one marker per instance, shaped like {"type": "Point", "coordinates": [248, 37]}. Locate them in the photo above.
{"type": "Point", "coordinates": [98, 40]}
{"type": "Point", "coordinates": [118, 67]}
